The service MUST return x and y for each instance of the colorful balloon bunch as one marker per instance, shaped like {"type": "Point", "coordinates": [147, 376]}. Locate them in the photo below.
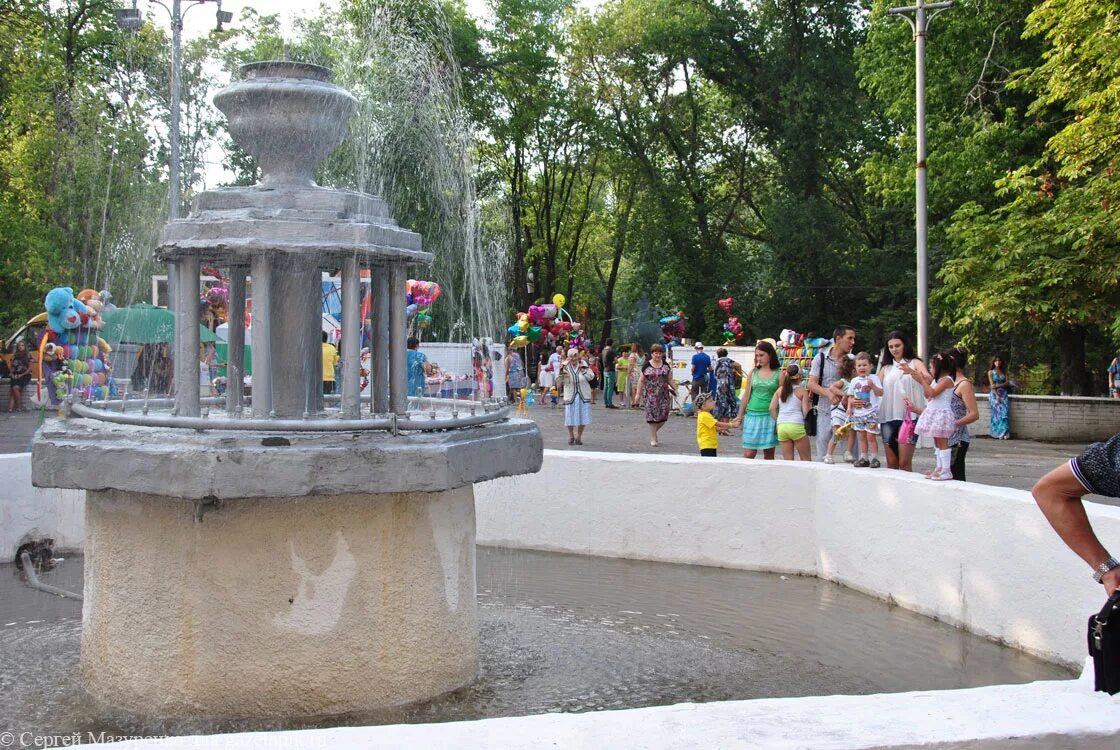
{"type": "Point", "coordinates": [673, 328]}
{"type": "Point", "coordinates": [546, 322]}
{"type": "Point", "coordinates": [419, 298]}
{"type": "Point", "coordinates": [732, 331]}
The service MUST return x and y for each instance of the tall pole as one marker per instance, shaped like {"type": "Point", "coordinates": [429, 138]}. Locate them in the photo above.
{"type": "Point", "coordinates": [173, 195]}
{"type": "Point", "coordinates": [920, 26]}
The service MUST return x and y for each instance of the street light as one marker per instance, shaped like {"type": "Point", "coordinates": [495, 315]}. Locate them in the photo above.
{"type": "Point", "coordinates": [920, 24]}
{"type": "Point", "coordinates": [129, 19]}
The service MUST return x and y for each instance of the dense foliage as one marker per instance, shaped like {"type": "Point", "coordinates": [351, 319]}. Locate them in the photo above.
{"type": "Point", "coordinates": [640, 156]}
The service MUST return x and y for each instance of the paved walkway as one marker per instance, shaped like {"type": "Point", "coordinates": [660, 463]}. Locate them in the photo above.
{"type": "Point", "coordinates": [1005, 463]}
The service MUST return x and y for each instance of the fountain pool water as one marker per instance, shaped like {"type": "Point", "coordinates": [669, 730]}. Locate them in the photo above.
{"type": "Point", "coordinates": [573, 633]}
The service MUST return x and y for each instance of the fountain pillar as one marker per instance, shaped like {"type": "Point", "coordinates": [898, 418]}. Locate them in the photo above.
{"type": "Point", "coordinates": [380, 356]}
{"type": "Point", "coordinates": [262, 335]}
{"type": "Point", "coordinates": [235, 351]}
{"type": "Point", "coordinates": [186, 337]}
{"type": "Point", "coordinates": [398, 352]}
{"type": "Point", "coordinates": [351, 337]}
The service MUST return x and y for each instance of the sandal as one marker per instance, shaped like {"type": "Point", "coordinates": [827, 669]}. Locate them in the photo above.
{"type": "Point", "coordinates": [571, 441]}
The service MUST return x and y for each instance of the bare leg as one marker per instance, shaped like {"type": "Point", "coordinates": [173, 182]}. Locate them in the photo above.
{"type": "Point", "coordinates": [768, 454]}
{"type": "Point", "coordinates": [906, 456]}
{"type": "Point", "coordinates": [892, 457]}
{"type": "Point", "coordinates": [653, 428]}
{"type": "Point", "coordinates": [749, 453]}
{"type": "Point", "coordinates": [803, 449]}
{"type": "Point", "coordinates": [787, 450]}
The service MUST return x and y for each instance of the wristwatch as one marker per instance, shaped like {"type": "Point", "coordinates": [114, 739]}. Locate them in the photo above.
{"type": "Point", "coordinates": [1104, 567]}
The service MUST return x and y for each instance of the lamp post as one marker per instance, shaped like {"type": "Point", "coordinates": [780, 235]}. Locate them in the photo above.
{"type": "Point", "coordinates": [920, 24]}
{"type": "Point", "coordinates": [129, 18]}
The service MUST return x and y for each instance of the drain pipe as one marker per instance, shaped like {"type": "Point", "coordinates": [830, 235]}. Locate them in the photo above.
{"type": "Point", "coordinates": [34, 582]}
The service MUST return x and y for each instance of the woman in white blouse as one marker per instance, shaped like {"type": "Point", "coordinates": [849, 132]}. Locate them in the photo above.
{"type": "Point", "coordinates": [902, 374]}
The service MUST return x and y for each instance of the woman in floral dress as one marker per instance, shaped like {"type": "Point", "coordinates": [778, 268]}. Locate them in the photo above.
{"type": "Point", "coordinates": [997, 399]}
{"type": "Point", "coordinates": [657, 386]}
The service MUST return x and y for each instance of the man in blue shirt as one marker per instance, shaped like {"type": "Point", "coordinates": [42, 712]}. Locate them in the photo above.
{"type": "Point", "coordinates": [701, 369]}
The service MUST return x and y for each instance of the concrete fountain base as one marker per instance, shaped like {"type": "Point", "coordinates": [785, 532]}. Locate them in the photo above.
{"type": "Point", "coordinates": [244, 574]}
{"type": "Point", "coordinates": [278, 606]}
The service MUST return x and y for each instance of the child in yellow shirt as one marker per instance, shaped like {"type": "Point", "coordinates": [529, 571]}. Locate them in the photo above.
{"type": "Point", "coordinates": [707, 425]}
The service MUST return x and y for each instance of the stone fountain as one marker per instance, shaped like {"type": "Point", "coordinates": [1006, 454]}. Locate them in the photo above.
{"type": "Point", "coordinates": [278, 553]}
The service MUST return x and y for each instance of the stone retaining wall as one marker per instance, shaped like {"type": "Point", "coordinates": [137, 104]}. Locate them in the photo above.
{"type": "Point", "coordinates": [1074, 419]}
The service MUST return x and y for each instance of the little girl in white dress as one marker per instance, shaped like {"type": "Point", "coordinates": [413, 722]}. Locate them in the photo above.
{"type": "Point", "coordinates": [937, 419]}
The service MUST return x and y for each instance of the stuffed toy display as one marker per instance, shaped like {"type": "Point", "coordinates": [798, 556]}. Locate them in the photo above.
{"type": "Point", "coordinates": [72, 358]}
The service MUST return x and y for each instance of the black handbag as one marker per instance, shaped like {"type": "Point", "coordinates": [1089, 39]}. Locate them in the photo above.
{"type": "Point", "coordinates": [1104, 645]}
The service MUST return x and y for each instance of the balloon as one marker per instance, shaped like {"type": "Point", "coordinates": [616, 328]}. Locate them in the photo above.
{"type": "Point", "coordinates": [534, 333]}
{"type": "Point", "coordinates": [514, 330]}
{"type": "Point", "coordinates": [725, 304]}
{"type": "Point", "coordinates": [559, 299]}
{"type": "Point", "coordinates": [411, 310]}
{"type": "Point", "coordinates": [519, 341]}
{"type": "Point", "coordinates": [423, 320]}
{"type": "Point", "coordinates": [575, 326]}
{"type": "Point", "coordinates": [536, 314]}
{"type": "Point", "coordinates": [523, 325]}
{"type": "Point", "coordinates": [550, 311]}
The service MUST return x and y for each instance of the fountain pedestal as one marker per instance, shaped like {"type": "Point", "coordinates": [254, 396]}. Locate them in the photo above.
{"type": "Point", "coordinates": [278, 606]}
{"type": "Point", "coordinates": [303, 574]}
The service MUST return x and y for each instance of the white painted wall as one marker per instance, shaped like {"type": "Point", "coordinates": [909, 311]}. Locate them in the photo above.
{"type": "Point", "coordinates": [30, 512]}
{"type": "Point", "coordinates": [976, 556]}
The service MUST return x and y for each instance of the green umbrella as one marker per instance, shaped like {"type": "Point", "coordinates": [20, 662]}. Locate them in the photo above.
{"type": "Point", "coordinates": [144, 324]}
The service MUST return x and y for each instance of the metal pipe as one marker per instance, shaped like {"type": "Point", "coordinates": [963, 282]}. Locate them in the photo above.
{"type": "Point", "coordinates": [351, 338]}
{"type": "Point", "coordinates": [379, 358]}
{"type": "Point", "coordinates": [262, 337]}
{"type": "Point", "coordinates": [235, 343]}
{"type": "Point", "coordinates": [186, 337]}
{"type": "Point", "coordinates": [292, 425]}
{"type": "Point", "coordinates": [34, 582]}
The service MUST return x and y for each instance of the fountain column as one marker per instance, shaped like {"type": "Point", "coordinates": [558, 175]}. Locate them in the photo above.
{"type": "Point", "coordinates": [398, 350]}
{"type": "Point", "coordinates": [262, 335]}
{"type": "Point", "coordinates": [351, 337]}
{"type": "Point", "coordinates": [186, 337]}
{"type": "Point", "coordinates": [379, 358]}
{"type": "Point", "coordinates": [235, 341]}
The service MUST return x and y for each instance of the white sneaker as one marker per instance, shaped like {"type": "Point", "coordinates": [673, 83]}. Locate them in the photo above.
{"type": "Point", "coordinates": [828, 460]}
{"type": "Point", "coordinates": [848, 458]}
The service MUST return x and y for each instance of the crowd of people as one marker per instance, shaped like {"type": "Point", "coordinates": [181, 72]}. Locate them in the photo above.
{"type": "Point", "coordinates": [843, 404]}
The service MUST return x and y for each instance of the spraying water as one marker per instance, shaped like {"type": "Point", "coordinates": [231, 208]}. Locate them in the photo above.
{"type": "Point", "coordinates": [412, 142]}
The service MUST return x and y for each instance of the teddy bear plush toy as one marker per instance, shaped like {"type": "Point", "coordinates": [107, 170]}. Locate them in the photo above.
{"type": "Point", "coordinates": [91, 298]}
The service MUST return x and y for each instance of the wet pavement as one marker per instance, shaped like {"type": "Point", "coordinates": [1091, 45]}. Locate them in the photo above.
{"type": "Point", "coordinates": [1004, 463]}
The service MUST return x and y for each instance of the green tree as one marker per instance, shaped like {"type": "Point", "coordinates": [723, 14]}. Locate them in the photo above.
{"type": "Point", "coordinates": [1044, 259]}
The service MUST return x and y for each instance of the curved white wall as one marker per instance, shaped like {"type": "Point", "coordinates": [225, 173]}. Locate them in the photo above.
{"type": "Point", "coordinates": [976, 556]}
{"type": "Point", "coordinates": [27, 511]}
